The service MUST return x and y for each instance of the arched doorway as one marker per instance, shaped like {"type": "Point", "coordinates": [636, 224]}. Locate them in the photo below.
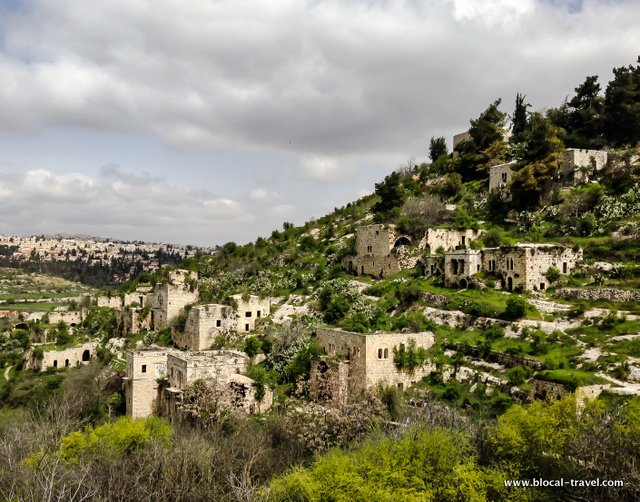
{"type": "Point", "coordinates": [464, 284]}
{"type": "Point", "coordinates": [86, 356]}
{"type": "Point", "coordinates": [510, 284]}
{"type": "Point", "coordinates": [403, 240]}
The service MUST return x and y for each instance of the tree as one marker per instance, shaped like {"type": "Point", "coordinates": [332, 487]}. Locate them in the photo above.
{"type": "Point", "coordinates": [622, 106]}
{"type": "Point", "coordinates": [584, 127]}
{"type": "Point", "coordinates": [437, 148]}
{"type": "Point", "coordinates": [516, 307]}
{"type": "Point", "coordinates": [390, 193]}
{"type": "Point", "coordinates": [519, 120]}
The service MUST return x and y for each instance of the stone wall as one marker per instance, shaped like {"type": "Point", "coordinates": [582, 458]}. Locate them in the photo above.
{"type": "Point", "coordinates": [374, 244]}
{"type": "Point", "coordinates": [579, 165]}
{"type": "Point", "coordinates": [459, 266]}
{"type": "Point", "coordinates": [609, 294]}
{"type": "Point", "coordinates": [500, 176]}
{"type": "Point", "coordinates": [371, 356]}
{"type": "Point", "coordinates": [523, 266]}
{"type": "Point", "coordinates": [66, 358]}
{"type": "Point", "coordinates": [249, 311]}
{"type": "Point", "coordinates": [203, 324]}
{"type": "Point", "coordinates": [114, 302]}
{"type": "Point", "coordinates": [184, 368]}
{"type": "Point", "coordinates": [447, 239]}
{"type": "Point", "coordinates": [171, 297]}
{"type": "Point", "coordinates": [132, 320]}
{"type": "Point", "coordinates": [329, 382]}
{"type": "Point", "coordinates": [144, 369]}
{"type": "Point", "coordinates": [72, 318]}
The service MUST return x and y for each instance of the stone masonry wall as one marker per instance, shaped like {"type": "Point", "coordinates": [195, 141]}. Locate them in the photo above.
{"type": "Point", "coordinates": [371, 356]}
{"type": "Point", "coordinates": [144, 368]}
{"type": "Point", "coordinates": [249, 311]}
{"type": "Point", "coordinates": [609, 294]}
{"type": "Point", "coordinates": [66, 358]}
{"type": "Point", "coordinates": [203, 324]}
{"type": "Point", "coordinates": [449, 239]}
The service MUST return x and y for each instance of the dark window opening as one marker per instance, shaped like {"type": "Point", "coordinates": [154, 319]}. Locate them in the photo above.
{"type": "Point", "coordinates": [247, 314]}
{"type": "Point", "coordinates": [218, 323]}
{"type": "Point", "coordinates": [144, 368]}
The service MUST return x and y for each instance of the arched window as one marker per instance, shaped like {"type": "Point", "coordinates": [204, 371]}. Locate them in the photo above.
{"type": "Point", "coordinates": [379, 353]}
{"type": "Point", "coordinates": [386, 353]}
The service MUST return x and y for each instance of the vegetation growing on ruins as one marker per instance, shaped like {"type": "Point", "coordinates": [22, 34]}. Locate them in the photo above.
{"type": "Point", "coordinates": [496, 400]}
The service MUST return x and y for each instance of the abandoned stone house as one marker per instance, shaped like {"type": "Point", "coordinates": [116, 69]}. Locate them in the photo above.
{"type": "Point", "coordinates": [132, 320]}
{"type": "Point", "coordinates": [379, 252]}
{"type": "Point", "coordinates": [500, 176]}
{"type": "Point", "coordinates": [522, 267]}
{"type": "Point", "coordinates": [157, 378]}
{"type": "Point", "coordinates": [446, 239]}
{"type": "Point", "coordinates": [203, 324]}
{"type": "Point", "coordinates": [249, 310]}
{"type": "Point", "coordinates": [359, 361]}
{"type": "Point", "coordinates": [65, 358]}
{"type": "Point", "coordinates": [171, 297]}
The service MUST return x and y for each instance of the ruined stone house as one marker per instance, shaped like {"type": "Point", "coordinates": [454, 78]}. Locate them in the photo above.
{"type": "Point", "coordinates": [522, 267]}
{"type": "Point", "coordinates": [446, 239]}
{"type": "Point", "coordinates": [500, 176]}
{"type": "Point", "coordinates": [171, 297]}
{"type": "Point", "coordinates": [156, 380]}
{"type": "Point", "coordinates": [379, 252]}
{"type": "Point", "coordinates": [204, 323]}
{"type": "Point", "coordinates": [61, 358]}
{"type": "Point", "coordinates": [363, 361]}
{"type": "Point", "coordinates": [249, 310]}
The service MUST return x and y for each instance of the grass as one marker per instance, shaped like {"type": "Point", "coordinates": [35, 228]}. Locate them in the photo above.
{"type": "Point", "coordinates": [571, 378]}
{"type": "Point", "coordinates": [31, 307]}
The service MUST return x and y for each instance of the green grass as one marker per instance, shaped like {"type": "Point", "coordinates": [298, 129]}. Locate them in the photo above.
{"type": "Point", "coordinates": [571, 378]}
{"type": "Point", "coordinates": [31, 307]}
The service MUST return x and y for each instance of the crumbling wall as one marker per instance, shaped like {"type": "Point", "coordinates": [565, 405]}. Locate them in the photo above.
{"type": "Point", "coordinates": [66, 358]}
{"type": "Point", "coordinates": [249, 310]}
{"type": "Point", "coordinates": [203, 324]}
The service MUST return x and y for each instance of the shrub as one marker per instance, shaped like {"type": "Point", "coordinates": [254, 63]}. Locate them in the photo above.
{"type": "Point", "coordinates": [516, 308]}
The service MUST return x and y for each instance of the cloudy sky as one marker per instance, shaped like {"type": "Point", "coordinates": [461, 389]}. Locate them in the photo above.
{"type": "Point", "coordinates": [205, 121]}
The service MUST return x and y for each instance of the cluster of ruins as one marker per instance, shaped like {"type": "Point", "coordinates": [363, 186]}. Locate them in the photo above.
{"type": "Point", "coordinates": [521, 267]}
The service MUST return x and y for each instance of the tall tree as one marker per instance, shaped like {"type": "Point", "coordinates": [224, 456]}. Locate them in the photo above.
{"type": "Point", "coordinates": [437, 148]}
{"type": "Point", "coordinates": [622, 106]}
{"type": "Point", "coordinates": [390, 193]}
{"type": "Point", "coordinates": [584, 127]}
{"type": "Point", "coordinates": [519, 120]}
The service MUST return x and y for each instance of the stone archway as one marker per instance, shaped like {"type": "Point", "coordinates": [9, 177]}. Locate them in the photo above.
{"type": "Point", "coordinates": [86, 356]}
{"type": "Point", "coordinates": [464, 284]}
{"type": "Point", "coordinates": [403, 240]}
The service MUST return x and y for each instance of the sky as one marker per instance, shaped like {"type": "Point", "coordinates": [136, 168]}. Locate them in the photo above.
{"type": "Point", "coordinates": [207, 121]}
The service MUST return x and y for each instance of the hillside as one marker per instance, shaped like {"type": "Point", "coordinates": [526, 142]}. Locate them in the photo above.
{"type": "Point", "coordinates": [474, 320]}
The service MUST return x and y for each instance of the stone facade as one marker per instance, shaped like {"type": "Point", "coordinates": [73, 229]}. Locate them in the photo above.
{"type": "Point", "coordinates": [523, 267]}
{"type": "Point", "coordinates": [447, 240]}
{"type": "Point", "coordinates": [72, 318]}
{"type": "Point", "coordinates": [203, 324]}
{"type": "Point", "coordinates": [114, 302]}
{"type": "Point", "coordinates": [500, 176]}
{"type": "Point", "coordinates": [379, 252]}
{"type": "Point", "coordinates": [66, 358]}
{"type": "Point", "coordinates": [371, 356]}
{"type": "Point", "coordinates": [249, 310]}
{"type": "Point", "coordinates": [184, 368]}
{"type": "Point", "coordinates": [460, 137]}
{"type": "Point", "coordinates": [132, 320]}
{"type": "Point", "coordinates": [578, 165]}
{"type": "Point", "coordinates": [459, 266]}
{"type": "Point", "coordinates": [171, 297]}
{"type": "Point", "coordinates": [609, 294]}
{"type": "Point", "coordinates": [329, 382]}
{"type": "Point", "coordinates": [144, 369]}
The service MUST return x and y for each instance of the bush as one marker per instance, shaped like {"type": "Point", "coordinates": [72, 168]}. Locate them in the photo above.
{"type": "Point", "coordinates": [516, 308]}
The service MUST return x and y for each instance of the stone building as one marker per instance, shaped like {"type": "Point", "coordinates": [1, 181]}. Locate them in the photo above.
{"type": "Point", "coordinates": [203, 324]}
{"type": "Point", "coordinates": [171, 297]}
{"type": "Point", "coordinates": [523, 267]}
{"type": "Point", "coordinates": [459, 266]}
{"type": "Point", "coordinates": [113, 302]}
{"type": "Point", "coordinates": [157, 378]}
{"type": "Point", "coordinates": [65, 358]}
{"type": "Point", "coordinates": [370, 358]}
{"type": "Point", "coordinates": [500, 176]}
{"type": "Point", "coordinates": [579, 165]}
{"type": "Point", "coordinates": [460, 137]}
{"type": "Point", "coordinates": [379, 252]}
{"type": "Point", "coordinates": [249, 310]}
{"type": "Point", "coordinates": [145, 368]}
{"type": "Point", "coordinates": [448, 239]}
{"type": "Point", "coordinates": [132, 320]}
